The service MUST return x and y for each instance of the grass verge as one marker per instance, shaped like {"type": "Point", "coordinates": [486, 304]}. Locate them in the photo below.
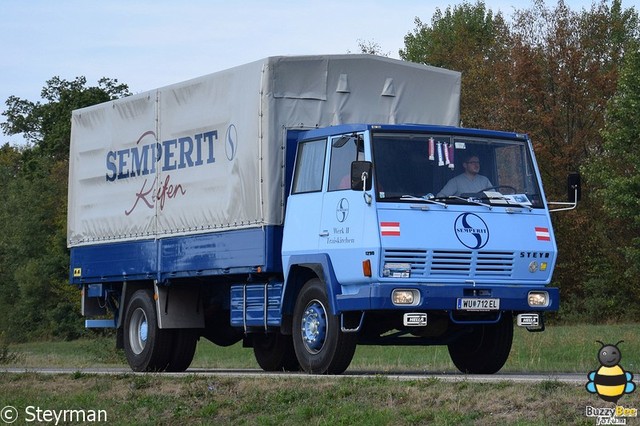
{"type": "Point", "coordinates": [157, 399]}
{"type": "Point", "coordinates": [275, 400]}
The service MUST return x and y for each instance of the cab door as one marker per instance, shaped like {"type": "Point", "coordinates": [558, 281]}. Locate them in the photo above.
{"type": "Point", "coordinates": [343, 210]}
{"type": "Point", "coordinates": [304, 205]}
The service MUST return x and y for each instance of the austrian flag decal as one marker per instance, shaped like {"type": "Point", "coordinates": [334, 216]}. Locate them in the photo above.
{"type": "Point", "coordinates": [542, 234]}
{"type": "Point", "coordinates": [390, 229]}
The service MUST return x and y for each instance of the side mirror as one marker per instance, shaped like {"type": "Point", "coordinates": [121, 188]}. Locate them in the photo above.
{"type": "Point", "coordinates": [574, 189]}
{"type": "Point", "coordinates": [361, 176]}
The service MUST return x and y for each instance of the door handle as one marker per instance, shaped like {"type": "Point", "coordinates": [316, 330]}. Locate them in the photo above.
{"type": "Point", "coordinates": [324, 234]}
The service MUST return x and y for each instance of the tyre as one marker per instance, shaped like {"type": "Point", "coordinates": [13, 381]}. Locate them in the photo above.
{"type": "Point", "coordinates": [184, 348]}
{"type": "Point", "coordinates": [486, 349]}
{"type": "Point", "coordinates": [146, 347]}
{"type": "Point", "coordinates": [275, 352]}
{"type": "Point", "coordinates": [320, 346]}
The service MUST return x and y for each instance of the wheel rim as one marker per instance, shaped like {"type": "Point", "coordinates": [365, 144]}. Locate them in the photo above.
{"type": "Point", "coordinates": [138, 331]}
{"type": "Point", "coordinates": [314, 326]}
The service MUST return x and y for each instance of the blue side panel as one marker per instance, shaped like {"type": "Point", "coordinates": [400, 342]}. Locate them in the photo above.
{"type": "Point", "coordinates": [230, 252]}
{"type": "Point", "coordinates": [212, 254]}
{"type": "Point", "coordinates": [114, 262]}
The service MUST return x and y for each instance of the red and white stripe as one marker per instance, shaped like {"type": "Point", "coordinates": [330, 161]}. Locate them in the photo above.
{"type": "Point", "coordinates": [542, 234]}
{"type": "Point", "coordinates": [390, 229]}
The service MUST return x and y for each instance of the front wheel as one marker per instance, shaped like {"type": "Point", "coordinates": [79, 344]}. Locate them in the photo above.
{"type": "Point", "coordinates": [146, 346]}
{"type": "Point", "coordinates": [320, 345]}
{"type": "Point", "coordinates": [485, 349]}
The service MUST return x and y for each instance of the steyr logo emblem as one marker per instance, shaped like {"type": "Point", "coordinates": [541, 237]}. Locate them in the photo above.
{"type": "Point", "coordinates": [471, 231]}
{"type": "Point", "coordinates": [342, 210]}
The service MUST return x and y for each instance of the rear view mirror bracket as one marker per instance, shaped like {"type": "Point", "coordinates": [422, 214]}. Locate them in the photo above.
{"type": "Point", "coordinates": [574, 194]}
{"type": "Point", "coordinates": [361, 178]}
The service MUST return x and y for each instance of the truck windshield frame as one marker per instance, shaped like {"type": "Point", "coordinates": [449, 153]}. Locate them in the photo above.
{"type": "Point", "coordinates": [413, 166]}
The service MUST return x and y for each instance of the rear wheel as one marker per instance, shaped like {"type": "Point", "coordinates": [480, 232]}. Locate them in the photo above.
{"type": "Point", "coordinates": [184, 348]}
{"type": "Point", "coordinates": [485, 349]}
{"type": "Point", "coordinates": [320, 345]}
{"type": "Point", "coordinates": [275, 352]}
{"type": "Point", "coordinates": [147, 347]}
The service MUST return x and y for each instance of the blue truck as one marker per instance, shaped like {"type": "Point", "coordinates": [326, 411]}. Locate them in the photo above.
{"type": "Point", "coordinates": [305, 205]}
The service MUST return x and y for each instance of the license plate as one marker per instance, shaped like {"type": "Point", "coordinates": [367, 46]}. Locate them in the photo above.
{"type": "Point", "coordinates": [475, 304]}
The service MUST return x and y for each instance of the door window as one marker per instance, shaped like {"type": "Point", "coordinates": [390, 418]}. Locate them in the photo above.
{"type": "Point", "coordinates": [309, 167]}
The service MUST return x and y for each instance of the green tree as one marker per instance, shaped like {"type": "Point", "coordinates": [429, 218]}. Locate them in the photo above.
{"type": "Point", "coordinates": [36, 298]}
{"type": "Point", "coordinates": [47, 125]}
{"type": "Point", "coordinates": [9, 169]}
{"type": "Point", "coordinates": [614, 174]}
{"type": "Point", "coordinates": [371, 47]}
{"type": "Point", "coordinates": [471, 39]}
{"type": "Point", "coordinates": [565, 68]}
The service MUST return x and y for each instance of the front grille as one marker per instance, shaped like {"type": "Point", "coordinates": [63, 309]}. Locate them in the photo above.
{"type": "Point", "coordinates": [416, 258]}
{"type": "Point", "coordinates": [453, 263]}
{"type": "Point", "coordinates": [494, 263]}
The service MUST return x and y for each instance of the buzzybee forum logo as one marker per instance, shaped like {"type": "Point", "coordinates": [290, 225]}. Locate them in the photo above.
{"type": "Point", "coordinates": [610, 382]}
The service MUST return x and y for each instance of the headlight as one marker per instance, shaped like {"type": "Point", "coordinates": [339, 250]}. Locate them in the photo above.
{"type": "Point", "coordinates": [410, 297]}
{"type": "Point", "coordinates": [538, 299]}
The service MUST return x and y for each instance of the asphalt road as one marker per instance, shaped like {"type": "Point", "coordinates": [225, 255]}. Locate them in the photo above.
{"type": "Point", "coordinates": [569, 378]}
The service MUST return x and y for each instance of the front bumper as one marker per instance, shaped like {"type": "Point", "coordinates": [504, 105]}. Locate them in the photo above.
{"type": "Point", "coordinates": [377, 296]}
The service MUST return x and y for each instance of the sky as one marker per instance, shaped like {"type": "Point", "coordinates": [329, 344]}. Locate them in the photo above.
{"type": "Point", "coordinates": [152, 43]}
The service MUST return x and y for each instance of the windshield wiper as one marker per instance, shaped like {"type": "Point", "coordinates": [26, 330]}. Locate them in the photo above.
{"type": "Point", "coordinates": [429, 198]}
{"type": "Point", "coordinates": [504, 200]}
{"type": "Point", "coordinates": [469, 200]}
{"type": "Point", "coordinates": [516, 204]}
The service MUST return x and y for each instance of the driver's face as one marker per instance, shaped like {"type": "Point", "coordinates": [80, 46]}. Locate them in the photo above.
{"type": "Point", "coordinates": [472, 165]}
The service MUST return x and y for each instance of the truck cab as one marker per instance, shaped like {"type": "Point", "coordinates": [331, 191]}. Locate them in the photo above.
{"type": "Point", "coordinates": [394, 258]}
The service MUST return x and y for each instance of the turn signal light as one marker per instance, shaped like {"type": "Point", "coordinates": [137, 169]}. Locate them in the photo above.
{"type": "Point", "coordinates": [366, 268]}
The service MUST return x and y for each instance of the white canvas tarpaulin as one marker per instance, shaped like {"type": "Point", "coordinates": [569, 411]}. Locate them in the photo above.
{"type": "Point", "coordinates": [208, 154]}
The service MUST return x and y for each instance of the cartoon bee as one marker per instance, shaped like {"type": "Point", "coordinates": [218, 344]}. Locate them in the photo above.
{"type": "Point", "coordinates": [610, 381]}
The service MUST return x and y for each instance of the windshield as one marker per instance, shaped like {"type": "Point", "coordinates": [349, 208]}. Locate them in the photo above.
{"type": "Point", "coordinates": [454, 169]}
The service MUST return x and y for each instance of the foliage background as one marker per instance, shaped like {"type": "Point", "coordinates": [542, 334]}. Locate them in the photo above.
{"type": "Point", "coordinates": [570, 79]}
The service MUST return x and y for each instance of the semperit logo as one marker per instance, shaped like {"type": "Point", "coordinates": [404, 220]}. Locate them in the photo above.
{"type": "Point", "coordinates": [471, 231]}
{"type": "Point", "coordinates": [342, 210]}
{"type": "Point", "coordinates": [231, 142]}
